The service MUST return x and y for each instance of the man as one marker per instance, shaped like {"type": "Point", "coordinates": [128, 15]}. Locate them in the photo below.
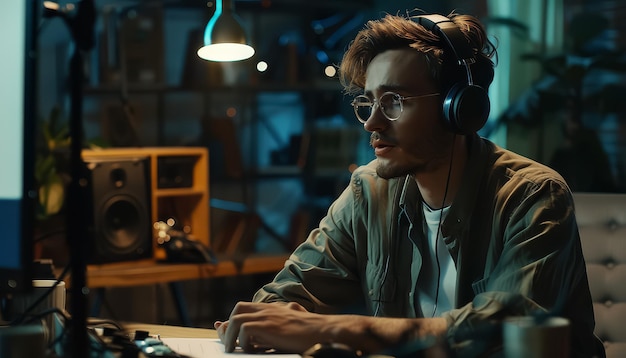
{"type": "Point", "coordinates": [444, 234]}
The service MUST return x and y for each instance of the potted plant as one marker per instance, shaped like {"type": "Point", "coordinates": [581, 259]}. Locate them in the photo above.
{"type": "Point", "coordinates": [52, 155]}
{"type": "Point", "coordinates": [50, 165]}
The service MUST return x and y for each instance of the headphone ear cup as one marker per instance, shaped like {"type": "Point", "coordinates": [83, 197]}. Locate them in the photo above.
{"type": "Point", "coordinates": [466, 108]}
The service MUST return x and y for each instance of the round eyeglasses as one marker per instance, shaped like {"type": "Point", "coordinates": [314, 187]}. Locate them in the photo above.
{"type": "Point", "coordinates": [390, 104]}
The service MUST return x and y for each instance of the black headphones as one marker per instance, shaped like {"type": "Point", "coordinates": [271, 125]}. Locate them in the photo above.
{"type": "Point", "coordinates": [466, 105]}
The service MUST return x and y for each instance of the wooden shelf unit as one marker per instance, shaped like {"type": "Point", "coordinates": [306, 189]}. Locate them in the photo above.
{"type": "Point", "coordinates": [190, 205]}
{"type": "Point", "coordinates": [146, 272]}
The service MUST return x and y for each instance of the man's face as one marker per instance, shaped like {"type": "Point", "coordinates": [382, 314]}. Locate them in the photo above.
{"type": "Point", "coordinates": [417, 142]}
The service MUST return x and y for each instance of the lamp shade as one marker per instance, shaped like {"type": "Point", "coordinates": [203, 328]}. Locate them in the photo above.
{"type": "Point", "coordinates": [224, 37]}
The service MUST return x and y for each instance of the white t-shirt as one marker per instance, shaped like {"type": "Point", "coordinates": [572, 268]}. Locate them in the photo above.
{"type": "Point", "coordinates": [436, 297]}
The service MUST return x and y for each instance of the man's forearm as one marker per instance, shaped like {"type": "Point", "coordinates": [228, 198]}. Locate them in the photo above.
{"type": "Point", "coordinates": [374, 334]}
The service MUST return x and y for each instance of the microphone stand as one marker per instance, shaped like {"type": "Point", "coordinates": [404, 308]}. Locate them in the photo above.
{"type": "Point", "coordinates": [81, 26]}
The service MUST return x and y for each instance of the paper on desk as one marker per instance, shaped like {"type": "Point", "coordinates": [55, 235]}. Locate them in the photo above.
{"type": "Point", "coordinates": [210, 348]}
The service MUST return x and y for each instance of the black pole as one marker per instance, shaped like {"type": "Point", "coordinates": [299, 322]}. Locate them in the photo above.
{"type": "Point", "coordinates": [81, 27]}
{"type": "Point", "coordinates": [76, 232]}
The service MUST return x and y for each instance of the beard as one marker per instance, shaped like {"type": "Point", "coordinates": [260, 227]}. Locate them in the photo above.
{"type": "Point", "coordinates": [411, 161]}
{"type": "Point", "coordinates": [387, 169]}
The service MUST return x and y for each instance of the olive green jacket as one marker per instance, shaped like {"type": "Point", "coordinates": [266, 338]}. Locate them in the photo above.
{"type": "Point", "coordinates": [511, 231]}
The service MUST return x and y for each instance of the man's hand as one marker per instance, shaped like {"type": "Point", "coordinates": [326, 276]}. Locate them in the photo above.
{"type": "Point", "coordinates": [291, 328]}
{"type": "Point", "coordinates": [257, 326]}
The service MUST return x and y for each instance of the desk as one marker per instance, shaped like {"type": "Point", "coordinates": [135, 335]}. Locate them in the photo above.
{"type": "Point", "coordinates": [171, 331]}
{"type": "Point", "coordinates": [177, 332]}
{"type": "Point", "coordinates": [146, 272]}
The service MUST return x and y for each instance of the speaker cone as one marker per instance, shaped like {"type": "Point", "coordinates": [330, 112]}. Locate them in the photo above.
{"type": "Point", "coordinates": [124, 226]}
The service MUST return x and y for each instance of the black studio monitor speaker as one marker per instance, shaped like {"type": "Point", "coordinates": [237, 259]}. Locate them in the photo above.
{"type": "Point", "coordinates": [119, 194]}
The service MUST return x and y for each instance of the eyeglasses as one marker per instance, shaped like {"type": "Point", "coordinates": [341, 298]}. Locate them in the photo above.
{"type": "Point", "coordinates": [390, 104]}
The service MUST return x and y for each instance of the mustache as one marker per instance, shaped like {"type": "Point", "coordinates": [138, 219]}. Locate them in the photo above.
{"type": "Point", "coordinates": [377, 136]}
{"type": "Point", "coordinates": [374, 136]}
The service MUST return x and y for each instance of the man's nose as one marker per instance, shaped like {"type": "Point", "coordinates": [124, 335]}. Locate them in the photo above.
{"type": "Point", "coordinates": [377, 121]}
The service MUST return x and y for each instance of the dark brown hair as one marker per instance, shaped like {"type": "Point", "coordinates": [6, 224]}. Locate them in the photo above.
{"type": "Point", "coordinates": [399, 31]}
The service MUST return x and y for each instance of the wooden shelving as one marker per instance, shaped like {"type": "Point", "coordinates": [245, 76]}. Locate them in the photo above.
{"type": "Point", "coordinates": [189, 205]}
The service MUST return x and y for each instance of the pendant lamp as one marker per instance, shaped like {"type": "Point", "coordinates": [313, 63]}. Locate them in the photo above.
{"type": "Point", "coordinates": [224, 37]}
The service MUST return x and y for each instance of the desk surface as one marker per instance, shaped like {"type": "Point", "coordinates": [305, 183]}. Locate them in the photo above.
{"type": "Point", "coordinates": [185, 332]}
{"type": "Point", "coordinates": [171, 331]}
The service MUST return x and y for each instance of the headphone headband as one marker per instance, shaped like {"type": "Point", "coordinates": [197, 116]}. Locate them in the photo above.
{"type": "Point", "coordinates": [451, 34]}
